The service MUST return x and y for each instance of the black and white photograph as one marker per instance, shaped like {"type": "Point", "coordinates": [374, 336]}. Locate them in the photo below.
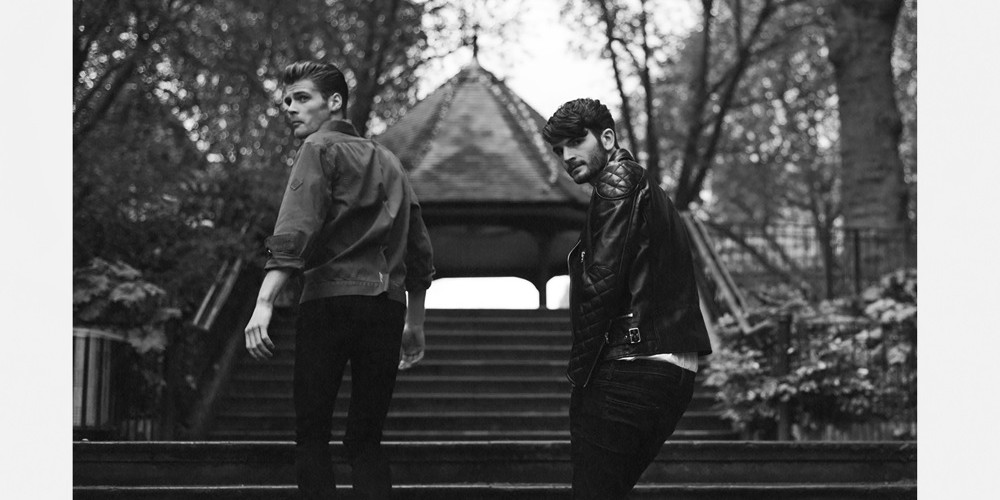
{"type": "Point", "coordinates": [488, 249]}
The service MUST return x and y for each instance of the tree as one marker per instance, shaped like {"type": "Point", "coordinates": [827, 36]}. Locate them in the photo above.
{"type": "Point", "coordinates": [779, 166]}
{"type": "Point", "coordinates": [687, 81]}
{"type": "Point", "coordinates": [861, 49]}
{"type": "Point", "coordinates": [178, 143]}
{"type": "Point", "coordinates": [904, 63]}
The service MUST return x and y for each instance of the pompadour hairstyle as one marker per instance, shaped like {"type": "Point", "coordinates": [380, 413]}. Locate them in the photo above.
{"type": "Point", "coordinates": [328, 78]}
{"type": "Point", "coordinates": [574, 118]}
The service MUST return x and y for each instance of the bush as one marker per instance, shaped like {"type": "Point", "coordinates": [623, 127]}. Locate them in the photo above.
{"type": "Point", "coordinates": [849, 362]}
{"type": "Point", "coordinates": [114, 297]}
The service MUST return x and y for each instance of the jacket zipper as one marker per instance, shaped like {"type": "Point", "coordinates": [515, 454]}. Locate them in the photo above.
{"type": "Point", "coordinates": [597, 360]}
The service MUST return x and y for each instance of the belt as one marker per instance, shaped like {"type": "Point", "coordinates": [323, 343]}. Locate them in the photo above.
{"type": "Point", "coordinates": [620, 332]}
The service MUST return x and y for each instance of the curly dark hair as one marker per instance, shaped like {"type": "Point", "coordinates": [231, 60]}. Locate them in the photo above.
{"type": "Point", "coordinates": [328, 78]}
{"type": "Point", "coordinates": [574, 118]}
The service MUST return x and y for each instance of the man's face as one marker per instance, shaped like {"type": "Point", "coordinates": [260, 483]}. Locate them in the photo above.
{"type": "Point", "coordinates": [584, 156]}
{"type": "Point", "coordinates": [306, 109]}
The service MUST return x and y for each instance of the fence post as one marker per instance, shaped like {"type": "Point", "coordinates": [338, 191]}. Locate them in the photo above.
{"type": "Point", "coordinates": [857, 260]}
{"type": "Point", "coordinates": [781, 368]}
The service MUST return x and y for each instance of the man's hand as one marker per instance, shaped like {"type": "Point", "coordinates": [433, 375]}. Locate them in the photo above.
{"type": "Point", "coordinates": [258, 343]}
{"type": "Point", "coordinates": [412, 349]}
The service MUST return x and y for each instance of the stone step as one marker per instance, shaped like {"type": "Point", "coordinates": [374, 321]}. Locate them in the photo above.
{"type": "Point", "coordinates": [421, 435]}
{"type": "Point", "coordinates": [517, 337]}
{"type": "Point", "coordinates": [903, 490]}
{"type": "Point", "coordinates": [451, 420]}
{"type": "Point", "coordinates": [508, 320]}
{"type": "Point", "coordinates": [438, 367]}
{"type": "Point", "coordinates": [557, 401]}
{"type": "Point", "coordinates": [470, 337]}
{"type": "Point", "coordinates": [249, 384]}
{"type": "Point", "coordinates": [516, 462]}
{"type": "Point", "coordinates": [285, 351]}
{"type": "Point", "coordinates": [470, 319]}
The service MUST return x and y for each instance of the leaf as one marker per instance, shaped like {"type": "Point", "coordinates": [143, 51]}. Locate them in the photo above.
{"type": "Point", "coordinates": [144, 340]}
{"type": "Point", "coordinates": [86, 287]}
{"type": "Point", "coordinates": [124, 271]}
{"type": "Point", "coordinates": [128, 294]}
{"type": "Point", "coordinates": [93, 311]}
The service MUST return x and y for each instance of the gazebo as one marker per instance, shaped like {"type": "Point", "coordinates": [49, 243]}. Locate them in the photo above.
{"type": "Point", "coordinates": [493, 194]}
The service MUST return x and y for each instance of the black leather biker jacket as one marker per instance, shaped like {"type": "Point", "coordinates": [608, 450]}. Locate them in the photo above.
{"type": "Point", "coordinates": [632, 271]}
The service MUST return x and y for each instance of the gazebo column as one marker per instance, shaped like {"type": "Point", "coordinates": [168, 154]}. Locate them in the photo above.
{"type": "Point", "coordinates": [542, 267]}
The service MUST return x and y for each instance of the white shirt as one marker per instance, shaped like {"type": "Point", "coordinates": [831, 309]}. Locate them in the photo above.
{"type": "Point", "coordinates": [685, 360]}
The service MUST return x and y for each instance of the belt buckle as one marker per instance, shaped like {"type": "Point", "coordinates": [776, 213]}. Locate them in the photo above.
{"type": "Point", "coordinates": [633, 336]}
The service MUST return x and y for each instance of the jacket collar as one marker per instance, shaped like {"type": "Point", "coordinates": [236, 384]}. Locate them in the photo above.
{"type": "Point", "coordinates": [620, 154]}
{"type": "Point", "coordinates": [342, 126]}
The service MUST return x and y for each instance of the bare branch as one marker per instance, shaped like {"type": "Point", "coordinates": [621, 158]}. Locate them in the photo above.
{"type": "Point", "coordinates": [609, 23]}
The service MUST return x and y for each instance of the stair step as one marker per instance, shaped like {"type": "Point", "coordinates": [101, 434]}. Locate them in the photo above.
{"type": "Point", "coordinates": [510, 352]}
{"type": "Point", "coordinates": [462, 435]}
{"type": "Point", "coordinates": [703, 462]}
{"type": "Point", "coordinates": [248, 384]}
{"type": "Point", "coordinates": [441, 367]}
{"type": "Point", "coordinates": [503, 337]}
{"type": "Point", "coordinates": [739, 491]}
{"type": "Point", "coordinates": [452, 420]}
{"type": "Point", "coordinates": [556, 401]}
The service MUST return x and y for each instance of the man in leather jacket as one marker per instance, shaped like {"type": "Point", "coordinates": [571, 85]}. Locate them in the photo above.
{"type": "Point", "coordinates": [637, 325]}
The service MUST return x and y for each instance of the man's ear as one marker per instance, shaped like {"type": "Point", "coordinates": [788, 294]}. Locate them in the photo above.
{"type": "Point", "coordinates": [608, 139]}
{"type": "Point", "coordinates": [335, 102]}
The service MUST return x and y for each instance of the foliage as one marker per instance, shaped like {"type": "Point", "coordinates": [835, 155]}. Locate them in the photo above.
{"type": "Point", "coordinates": [114, 297]}
{"type": "Point", "coordinates": [736, 102]}
{"type": "Point", "coordinates": [849, 363]}
{"type": "Point", "coordinates": [179, 150]}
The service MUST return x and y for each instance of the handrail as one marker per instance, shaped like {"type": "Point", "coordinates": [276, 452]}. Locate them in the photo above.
{"type": "Point", "coordinates": [218, 293]}
{"type": "Point", "coordinates": [718, 273]}
{"type": "Point", "coordinates": [231, 270]}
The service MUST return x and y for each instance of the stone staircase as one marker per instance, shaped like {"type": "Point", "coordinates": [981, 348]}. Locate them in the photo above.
{"type": "Point", "coordinates": [483, 416]}
{"type": "Point", "coordinates": [486, 375]}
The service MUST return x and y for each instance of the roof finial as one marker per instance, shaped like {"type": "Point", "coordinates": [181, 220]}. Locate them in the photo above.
{"type": "Point", "coordinates": [475, 43]}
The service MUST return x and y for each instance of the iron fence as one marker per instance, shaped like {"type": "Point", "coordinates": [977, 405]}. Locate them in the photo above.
{"type": "Point", "coordinates": [857, 378]}
{"type": "Point", "coordinates": [842, 261]}
{"type": "Point", "coordinates": [117, 392]}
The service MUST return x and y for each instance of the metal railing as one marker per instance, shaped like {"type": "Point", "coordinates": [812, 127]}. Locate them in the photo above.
{"type": "Point", "coordinates": [872, 366]}
{"type": "Point", "coordinates": [841, 262]}
{"type": "Point", "coordinates": [113, 396]}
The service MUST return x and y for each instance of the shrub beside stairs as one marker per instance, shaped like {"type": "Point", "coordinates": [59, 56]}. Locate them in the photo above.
{"type": "Point", "coordinates": [484, 415]}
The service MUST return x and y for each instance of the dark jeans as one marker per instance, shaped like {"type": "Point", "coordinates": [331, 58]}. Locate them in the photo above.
{"type": "Point", "coordinates": [619, 422]}
{"type": "Point", "coordinates": [330, 331]}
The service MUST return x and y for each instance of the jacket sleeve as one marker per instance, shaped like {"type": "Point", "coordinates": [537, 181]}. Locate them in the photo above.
{"type": "Point", "coordinates": [613, 233]}
{"type": "Point", "coordinates": [419, 259]}
{"type": "Point", "coordinates": [304, 206]}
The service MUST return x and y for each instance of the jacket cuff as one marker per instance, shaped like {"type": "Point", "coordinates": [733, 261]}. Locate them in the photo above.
{"type": "Point", "coordinates": [285, 251]}
{"type": "Point", "coordinates": [418, 282]}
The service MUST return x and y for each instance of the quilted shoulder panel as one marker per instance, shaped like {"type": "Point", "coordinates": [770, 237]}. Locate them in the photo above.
{"type": "Point", "coordinates": [619, 179]}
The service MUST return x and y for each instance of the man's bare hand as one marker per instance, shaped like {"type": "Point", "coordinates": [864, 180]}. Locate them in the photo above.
{"type": "Point", "coordinates": [258, 343]}
{"type": "Point", "coordinates": [412, 349]}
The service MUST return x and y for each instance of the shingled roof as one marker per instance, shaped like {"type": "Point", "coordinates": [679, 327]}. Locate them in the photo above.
{"type": "Point", "coordinates": [474, 141]}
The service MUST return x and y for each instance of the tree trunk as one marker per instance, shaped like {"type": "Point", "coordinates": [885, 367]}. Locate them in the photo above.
{"type": "Point", "coordinates": [368, 76]}
{"type": "Point", "coordinates": [609, 33]}
{"type": "Point", "coordinates": [652, 132]}
{"type": "Point", "coordinates": [874, 192]}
